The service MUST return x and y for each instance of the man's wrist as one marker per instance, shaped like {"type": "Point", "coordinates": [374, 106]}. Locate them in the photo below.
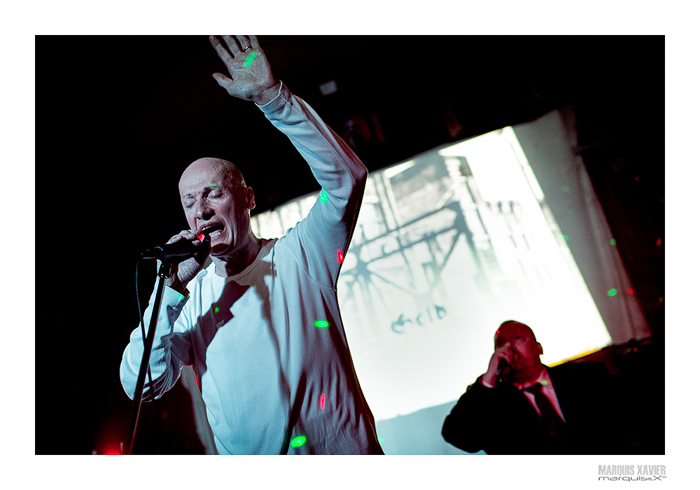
{"type": "Point", "coordinates": [489, 383]}
{"type": "Point", "coordinates": [269, 94]}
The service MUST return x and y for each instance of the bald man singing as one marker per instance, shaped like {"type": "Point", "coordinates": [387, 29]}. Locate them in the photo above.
{"type": "Point", "coordinates": [521, 406]}
{"type": "Point", "coordinates": [258, 319]}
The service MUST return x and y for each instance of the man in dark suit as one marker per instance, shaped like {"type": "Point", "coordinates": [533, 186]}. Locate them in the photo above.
{"type": "Point", "coordinates": [521, 406]}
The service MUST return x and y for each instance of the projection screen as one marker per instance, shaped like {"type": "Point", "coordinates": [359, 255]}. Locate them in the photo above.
{"type": "Point", "coordinates": [456, 240]}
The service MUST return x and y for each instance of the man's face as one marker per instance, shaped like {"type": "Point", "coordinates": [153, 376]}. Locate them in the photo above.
{"type": "Point", "coordinates": [526, 351]}
{"type": "Point", "coordinates": [209, 199]}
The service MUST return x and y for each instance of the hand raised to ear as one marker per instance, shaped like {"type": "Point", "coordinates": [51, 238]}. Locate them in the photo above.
{"type": "Point", "coordinates": [250, 76]}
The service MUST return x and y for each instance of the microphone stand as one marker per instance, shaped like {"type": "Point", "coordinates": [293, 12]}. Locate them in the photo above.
{"type": "Point", "coordinates": [163, 273]}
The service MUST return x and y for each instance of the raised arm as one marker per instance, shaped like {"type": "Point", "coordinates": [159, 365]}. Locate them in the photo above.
{"type": "Point", "coordinates": [328, 227]}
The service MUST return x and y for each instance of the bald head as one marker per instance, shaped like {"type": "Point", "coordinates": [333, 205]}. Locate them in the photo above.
{"type": "Point", "coordinates": [526, 351]}
{"type": "Point", "coordinates": [214, 195]}
{"type": "Point", "coordinates": [231, 175]}
{"type": "Point", "coordinates": [514, 325]}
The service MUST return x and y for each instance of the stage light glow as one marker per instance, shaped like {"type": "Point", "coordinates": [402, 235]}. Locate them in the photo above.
{"type": "Point", "coordinates": [216, 309]}
{"type": "Point", "coordinates": [613, 241]}
{"type": "Point", "coordinates": [612, 292]}
{"type": "Point", "coordinates": [249, 59]}
{"type": "Point", "coordinates": [322, 401]}
{"type": "Point", "coordinates": [340, 257]}
{"type": "Point", "coordinates": [298, 441]}
{"type": "Point", "coordinates": [566, 238]}
{"type": "Point", "coordinates": [658, 242]}
{"type": "Point", "coordinates": [324, 196]}
{"type": "Point", "coordinates": [630, 291]}
{"type": "Point", "coordinates": [321, 323]}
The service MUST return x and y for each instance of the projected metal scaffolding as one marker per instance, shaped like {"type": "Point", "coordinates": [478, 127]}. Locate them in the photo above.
{"type": "Point", "coordinates": [447, 246]}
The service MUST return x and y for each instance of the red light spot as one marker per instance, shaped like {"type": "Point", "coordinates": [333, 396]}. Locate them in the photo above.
{"type": "Point", "coordinates": [498, 331]}
{"type": "Point", "coordinates": [340, 257]}
{"type": "Point", "coordinates": [658, 242]}
{"type": "Point", "coordinates": [630, 291]}
{"type": "Point", "coordinates": [322, 401]}
{"type": "Point", "coordinates": [201, 237]}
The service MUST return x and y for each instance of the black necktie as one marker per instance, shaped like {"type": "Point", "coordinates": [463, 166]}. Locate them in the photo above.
{"type": "Point", "coordinates": [557, 427]}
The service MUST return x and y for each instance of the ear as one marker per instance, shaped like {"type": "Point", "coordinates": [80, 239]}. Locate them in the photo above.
{"type": "Point", "coordinates": [249, 198]}
{"type": "Point", "coordinates": [539, 348]}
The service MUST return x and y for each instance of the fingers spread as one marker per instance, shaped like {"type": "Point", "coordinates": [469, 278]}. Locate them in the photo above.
{"type": "Point", "coordinates": [232, 45]}
{"type": "Point", "coordinates": [220, 50]}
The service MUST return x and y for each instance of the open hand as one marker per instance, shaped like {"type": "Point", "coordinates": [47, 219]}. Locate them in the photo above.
{"type": "Point", "coordinates": [250, 76]}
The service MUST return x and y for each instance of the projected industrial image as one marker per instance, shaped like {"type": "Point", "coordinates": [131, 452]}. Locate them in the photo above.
{"type": "Point", "coordinates": [447, 246]}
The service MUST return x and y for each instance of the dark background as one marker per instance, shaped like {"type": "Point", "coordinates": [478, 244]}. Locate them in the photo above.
{"type": "Point", "coordinates": [119, 118]}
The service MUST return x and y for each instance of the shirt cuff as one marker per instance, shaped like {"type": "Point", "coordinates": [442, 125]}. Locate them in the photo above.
{"type": "Point", "coordinates": [274, 98]}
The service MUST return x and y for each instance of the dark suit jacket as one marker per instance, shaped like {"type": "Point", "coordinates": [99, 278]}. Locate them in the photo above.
{"type": "Point", "coordinates": [502, 421]}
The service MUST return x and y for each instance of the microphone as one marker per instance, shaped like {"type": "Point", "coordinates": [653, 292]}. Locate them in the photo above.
{"type": "Point", "coordinates": [181, 249]}
{"type": "Point", "coordinates": [500, 375]}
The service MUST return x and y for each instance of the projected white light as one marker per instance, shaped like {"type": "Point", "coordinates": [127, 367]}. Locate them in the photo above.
{"type": "Point", "coordinates": [447, 246]}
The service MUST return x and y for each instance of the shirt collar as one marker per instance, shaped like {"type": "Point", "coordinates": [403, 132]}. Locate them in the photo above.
{"type": "Point", "coordinates": [542, 379]}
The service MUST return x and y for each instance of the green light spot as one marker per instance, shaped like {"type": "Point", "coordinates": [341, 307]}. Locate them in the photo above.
{"type": "Point", "coordinates": [249, 59]}
{"type": "Point", "coordinates": [661, 299]}
{"type": "Point", "coordinates": [613, 242]}
{"type": "Point", "coordinates": [298, 441]}
{"type": "Point", "coordinates": [612, 292]}
{"type": "Point", "coordinates": [321, 323]}
{"type": "Point", "coordinates": [566, 238]}
{"type": "Point", "coordinates": [216, 309]}
{"type": "Point", "coordinates": [544, 382]}
{"type": "Point", "coordinates": [324, 195]}
{"type": "Point", "coordinates": [380, 439]}
{"type": "Point", "coordinates": [566, 188]}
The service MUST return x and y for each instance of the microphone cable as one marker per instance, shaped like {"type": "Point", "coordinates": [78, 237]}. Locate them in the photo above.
{"type": "Point", "coordinates": [150, 378]}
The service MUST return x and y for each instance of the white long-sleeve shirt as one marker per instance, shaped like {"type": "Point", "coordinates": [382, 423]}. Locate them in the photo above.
{"type": "Point", "coordinates": [268, 344]}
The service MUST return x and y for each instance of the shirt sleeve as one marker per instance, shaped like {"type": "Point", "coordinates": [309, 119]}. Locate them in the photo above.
{"type": "Point", "coordinates": [171, 347]}
{"type": "Point", "coordinates": [328, 228]}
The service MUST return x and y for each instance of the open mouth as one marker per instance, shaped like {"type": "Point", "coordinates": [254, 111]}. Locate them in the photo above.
{"type": "Point", "coordinates": [213, 230]}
